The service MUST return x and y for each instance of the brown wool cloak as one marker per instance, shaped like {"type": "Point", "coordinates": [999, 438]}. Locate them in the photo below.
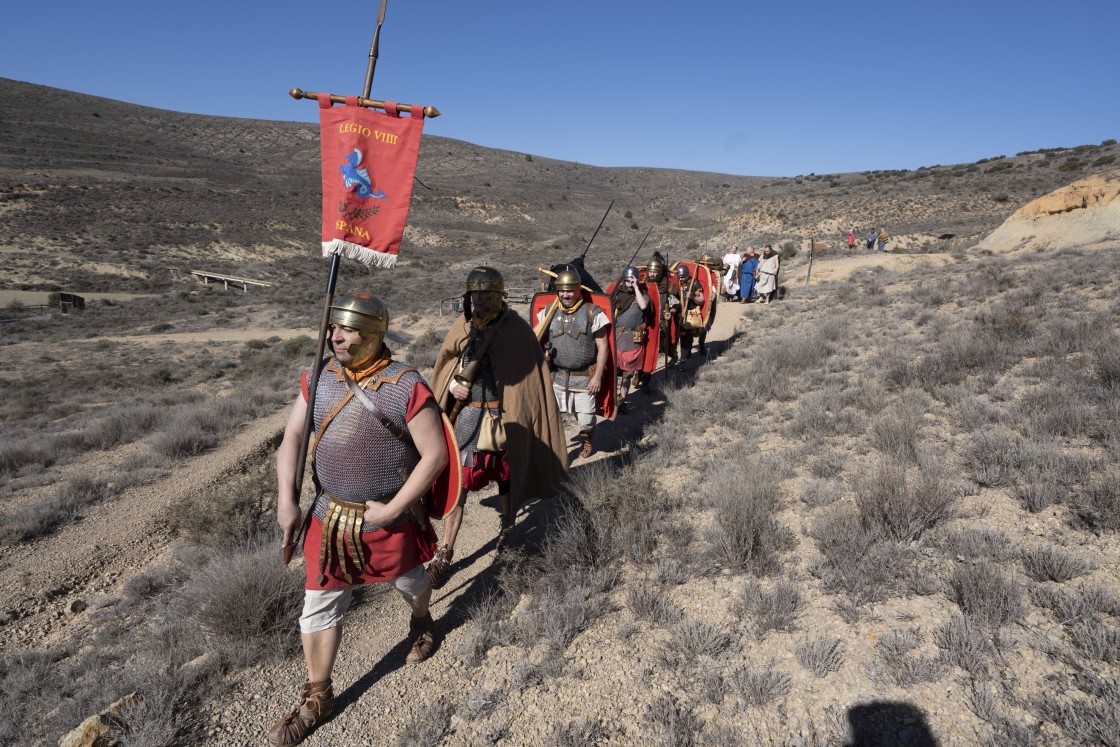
{"type": "Point", "coordinates": [535, 443]}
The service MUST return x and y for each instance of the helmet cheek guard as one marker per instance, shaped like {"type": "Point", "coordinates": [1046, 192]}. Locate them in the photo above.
{"type": "Point", "coordinates": [370, 316]}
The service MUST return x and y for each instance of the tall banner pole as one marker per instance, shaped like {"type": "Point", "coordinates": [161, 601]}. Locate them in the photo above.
{"type": "Point", "coordinates": [320, 348]}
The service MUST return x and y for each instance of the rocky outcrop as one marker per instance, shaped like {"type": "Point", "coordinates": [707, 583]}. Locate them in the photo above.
{"type": "Point", "coordinates": [1083, 214]}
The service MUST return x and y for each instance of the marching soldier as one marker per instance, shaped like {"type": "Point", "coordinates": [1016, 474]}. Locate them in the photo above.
{"type": "Point", "coordinates": [579, 354]}
{"type": "Point", "coordinates": [633, 313]}
{"type": "Point", "coordinates": [669, 291]}
{"type": "Point", "coordinates": [379, 445]}
{"type": "Point", "coordinates": [490, 375]}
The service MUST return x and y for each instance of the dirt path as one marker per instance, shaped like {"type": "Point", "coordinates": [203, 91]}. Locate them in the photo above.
{"type": "Point", "coordinates": [835, 268]}
{"type": "Point", "coordinates": [376, 690]}
{"type": "Point", "coordinates": [40, 581]}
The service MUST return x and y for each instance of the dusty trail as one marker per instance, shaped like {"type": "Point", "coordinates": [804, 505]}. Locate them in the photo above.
{"type": "Point", "coordinates": [95, 555]}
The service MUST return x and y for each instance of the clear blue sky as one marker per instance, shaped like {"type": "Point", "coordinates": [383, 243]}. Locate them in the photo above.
{"type": "Point", "coordinates": [776, 88]}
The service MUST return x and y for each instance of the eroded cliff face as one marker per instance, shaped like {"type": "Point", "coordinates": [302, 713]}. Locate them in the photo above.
{"type": "Point", "coordinates": [1085, 213]}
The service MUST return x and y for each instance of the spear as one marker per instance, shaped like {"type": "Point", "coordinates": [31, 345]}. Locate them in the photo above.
{"type": "Point", "coordinates": [597, 230]}
{"type": "Point", "coordinates": [640, 245]}
{"type": "Point", "coordinates": [328, 301]}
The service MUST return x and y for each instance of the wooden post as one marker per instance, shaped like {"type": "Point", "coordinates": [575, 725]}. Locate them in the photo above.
{"type": "Point", "coordinates": [809, 271]}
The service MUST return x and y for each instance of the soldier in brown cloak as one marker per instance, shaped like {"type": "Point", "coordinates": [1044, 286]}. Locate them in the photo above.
{"type": "Point", "coordinates": [491, 375]}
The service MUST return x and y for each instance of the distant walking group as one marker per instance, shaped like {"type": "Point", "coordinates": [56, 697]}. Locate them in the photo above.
{"type": "Point", "coordinates": [389, 453]}
{"type": "Point", "coordinates": [750, 277]}
{"type": "Point", "coordinates": [875, 238]}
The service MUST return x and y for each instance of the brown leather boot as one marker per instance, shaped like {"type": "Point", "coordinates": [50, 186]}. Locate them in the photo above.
{"type": "Point", "coordinates": [588, 448]}
{"type": "Point", "coordinates": [315, 707]}
{"type": "Point", "coordinates": [420, 633]}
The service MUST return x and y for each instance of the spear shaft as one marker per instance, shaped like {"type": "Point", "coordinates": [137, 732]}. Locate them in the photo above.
{"type": "Point", "coordinates": [640, 245]}
{"type": "Point", "coordinates": [597, 230]}
{"type": "Point", "coordinates": [328, 301]}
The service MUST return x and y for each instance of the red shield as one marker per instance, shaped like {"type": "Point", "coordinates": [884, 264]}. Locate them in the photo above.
{"type": "Point", "coordinates": [605, 399]}
{"type": "Point", "coordinates": [444, 494]}
{"type": "Point", "coordinates": [708, 281]}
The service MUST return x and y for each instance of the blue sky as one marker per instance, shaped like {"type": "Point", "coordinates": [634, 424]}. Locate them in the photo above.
{"type": "Point", "coordinates": [776, 89]}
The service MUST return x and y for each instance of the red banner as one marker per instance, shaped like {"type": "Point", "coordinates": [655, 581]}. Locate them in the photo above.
{"type": "Point", "coordinates": [369, 160]}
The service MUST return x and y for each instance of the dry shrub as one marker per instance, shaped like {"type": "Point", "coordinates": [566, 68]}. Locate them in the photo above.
{"type": "Point", "coordinates": [647, 601]}
{"type": "Point", "coordinates": [893, 653]}
{"type": "Point", "coordinates": [901, 505]}
{"type": "Point", "coordinates": [744, 535]}
{"type": "Point", "coordinates": [819, 655]}
{"type": "Point", "coordinates": [816, 493]}
{"type": "Point", "coordinates": [65, 505]}
{"type": "Point", "coordinates": [980, 543]}
{"type": "Point", "coordinates": [964, 644]}
{"type": "Point", "coordinates": [990, 455]}
{"type": "Point", "coordinates": [1051, 563]}
{"type": "Point", "coordinates": [776, 608]}
{"type": "Point", "coordinates": [758, 686]}
{"type": "Point", "coordinates": [247, 603]}
{"type": "Point", "coordinates": [691, 639]}
{"type": "Point", "coordinates": [1098, 505]}
{"type": "Point", "coordinates": [896, 430]}
{"type": "Point", "coordinates": [986, 595]}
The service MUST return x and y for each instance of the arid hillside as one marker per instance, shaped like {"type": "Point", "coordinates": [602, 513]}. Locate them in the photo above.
{"type": "Point", "coordinates": [882, 511]}
{"type": "Point", "coordinates": [98, 195]}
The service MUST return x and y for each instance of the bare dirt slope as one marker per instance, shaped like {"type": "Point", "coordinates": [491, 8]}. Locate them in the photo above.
{"type": "Point", "coordinates": [1083, 214]}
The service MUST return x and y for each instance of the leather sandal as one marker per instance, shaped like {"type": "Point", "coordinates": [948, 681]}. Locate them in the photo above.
{"type": "Point", "coordinates": [315, 707]}
{"type": "Point", "coordinates": [420, 632]}
{"type": "Point", "coordinates": [439, 567]}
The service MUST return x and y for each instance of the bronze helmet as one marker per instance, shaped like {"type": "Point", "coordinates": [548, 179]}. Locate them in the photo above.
{"type": "Point", "coordinates": [489, 281]}
{"type": "Point", "coordinates": [485, 279]}
{"type": "Point", "coordinates": [367, 314]}
{"type": "Point", "coordinates": [567, 280]}
{"type": "Point", "coordinates": [656, 268]}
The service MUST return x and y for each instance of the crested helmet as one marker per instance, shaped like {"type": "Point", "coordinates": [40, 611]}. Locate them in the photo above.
{"type": "Point", "coordinates": [370, 316]}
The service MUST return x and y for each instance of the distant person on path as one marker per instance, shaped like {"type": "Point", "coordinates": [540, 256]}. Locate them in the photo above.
{"type": "Point", "coordinates": [882, 238]}
{"type": "Point", "coordinates": [362, 530]}
{"type": "Point", "coordinates": [871, 239]}
{"type": "Point", "coordinates": [749, 272]}
{"type": "Point", "coordinates": [731, 260]}
{"type": "Point", "coordinates": [580, 354]}
{"type": "Point", "coordinates": [852, 240]}
{"type": "Point", "coordinates": [491, 374]}
{"type": "Point", "coordinates": [768, 275]}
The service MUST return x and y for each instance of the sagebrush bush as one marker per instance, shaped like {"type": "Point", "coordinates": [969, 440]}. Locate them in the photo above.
{"type": "Point", "coordinates": [1051, 563]}
{"type": "Point", "coordinates": [819, 655]}
{"type": "Point", "coordinates": [987, 595]}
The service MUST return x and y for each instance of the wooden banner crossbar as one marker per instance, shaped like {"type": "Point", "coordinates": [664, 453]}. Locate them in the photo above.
{"type": "Point", "coordinates": [296, 93]}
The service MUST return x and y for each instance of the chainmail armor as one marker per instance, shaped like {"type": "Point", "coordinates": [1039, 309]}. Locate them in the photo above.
{"type": "Point", "coordinates": [358, 459]}
{"type": "Point", "coordinates": [571, 338]}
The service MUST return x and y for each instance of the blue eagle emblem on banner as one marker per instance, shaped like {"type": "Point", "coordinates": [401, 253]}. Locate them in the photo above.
{"type": "Point", "coordinates": [352, 177]}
